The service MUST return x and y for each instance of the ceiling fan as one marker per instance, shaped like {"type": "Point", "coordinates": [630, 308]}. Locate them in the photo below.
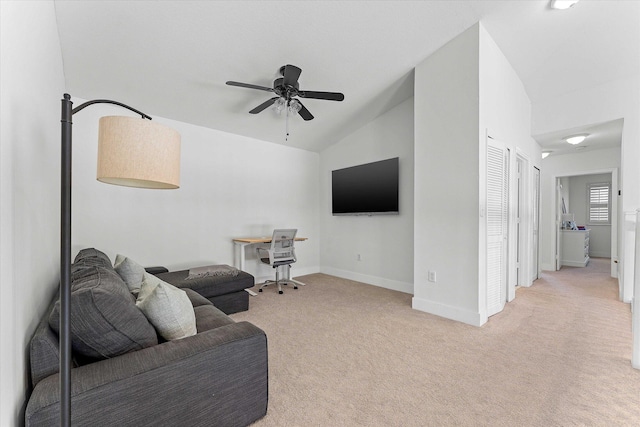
{"type": "Point", "coordinates": [288, 90]}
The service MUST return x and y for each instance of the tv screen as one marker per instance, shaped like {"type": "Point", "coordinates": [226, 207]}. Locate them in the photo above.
{"type": "Point", "coordinates": [369, 189]}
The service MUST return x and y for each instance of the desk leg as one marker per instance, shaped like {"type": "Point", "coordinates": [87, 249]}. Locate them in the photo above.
{"type": "Point", "coordinates": [239, 256]}
{"type": "Point", "coordinates": [239, 260]}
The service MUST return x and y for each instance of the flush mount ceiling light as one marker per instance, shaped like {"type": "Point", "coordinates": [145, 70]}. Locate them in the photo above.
{"type": "Point", "coordinates": [562, 4]}
{"type": "Point", "coordinates": [576, 139]}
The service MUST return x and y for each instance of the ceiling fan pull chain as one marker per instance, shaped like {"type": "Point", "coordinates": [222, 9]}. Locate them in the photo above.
{"type": "Point", "coordinates": [286, 138]}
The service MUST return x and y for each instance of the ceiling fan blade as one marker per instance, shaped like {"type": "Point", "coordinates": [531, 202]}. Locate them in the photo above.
{"type": "Point", "coordinates": [264, 105]}
{"type": "Point", "coordinates": [304, 113]}
{"type": "Point", "coordinates": [250, 86]}
{"type": "Point", "coordinates": [331, 96]}
{"type": "Point", "coordinates": [291, 75]}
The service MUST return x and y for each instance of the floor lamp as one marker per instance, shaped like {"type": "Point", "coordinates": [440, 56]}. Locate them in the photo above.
{"type": "Point", "coordinates": [131, 152]}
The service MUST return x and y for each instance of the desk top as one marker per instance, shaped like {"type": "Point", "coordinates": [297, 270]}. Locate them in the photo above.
{"type": "Point", "coordinates": [261, 239]}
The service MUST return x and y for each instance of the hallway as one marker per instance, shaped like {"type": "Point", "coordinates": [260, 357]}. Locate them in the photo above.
{"type": "Point", "coordinates": [594, 280]}
{"type": "Point", "coordinates": [591, 351]}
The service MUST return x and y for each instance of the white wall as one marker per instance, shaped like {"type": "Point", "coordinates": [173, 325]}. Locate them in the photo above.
{"type": "Point", "coordinates": [600, 234]}
{"type": "Point", "coordinates": [463, 91]}
{"type": "Point", "coordinates": [231, 186]}
{"type": "Point", "coordinates": [565, 165]}
{"type": "Point", "coordinates": [32, 84]}
{"type": "Point", "coordinates": [384, 242]}
{"type": "Point", "coordinates": [446, 180]}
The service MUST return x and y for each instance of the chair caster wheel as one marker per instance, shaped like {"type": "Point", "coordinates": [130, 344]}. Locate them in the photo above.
{"type": "Point", "coordinates": [259, 290]}
{"type": "Point", "coordinates": [280, 292]}
{"type": "Point", "coordinates": [295, 287]}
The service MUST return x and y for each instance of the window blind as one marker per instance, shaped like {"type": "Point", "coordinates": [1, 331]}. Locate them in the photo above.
{"type": "Point", "coordinates": [599, 203]}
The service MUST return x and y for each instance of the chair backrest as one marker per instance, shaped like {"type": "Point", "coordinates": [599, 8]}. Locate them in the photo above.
{"type": "Point", "coordinates": [282, 245]}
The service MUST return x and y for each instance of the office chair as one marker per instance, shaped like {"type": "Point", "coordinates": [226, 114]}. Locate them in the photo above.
{"type": "Point", "coordinates": [280, 255]}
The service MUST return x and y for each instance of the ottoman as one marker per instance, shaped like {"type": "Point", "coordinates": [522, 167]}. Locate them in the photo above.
{"type": "Point", "coordinates": [227, 293]}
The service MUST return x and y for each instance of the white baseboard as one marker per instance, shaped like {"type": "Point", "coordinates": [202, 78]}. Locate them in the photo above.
{"type": "Point", "coordinates": [548, 267]}
{"type": "Point", "coordinates": [448, 312]}
{"type": "Point", "coordinates": [635, 327]}
{"type": "Point", "coordinates": [394, 285]}
{"type": "Point", "coordinates": [303, 271]}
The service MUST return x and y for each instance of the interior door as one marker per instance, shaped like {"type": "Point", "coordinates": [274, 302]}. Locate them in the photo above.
{"type": "Point", "coordinates": [497, 225]}
{"type": "Point", "coordinates": [519, 222]}
{"type": "Point", "coordinates": [559, 211]}
{"type": "Point", "coordinates": [536, 224]}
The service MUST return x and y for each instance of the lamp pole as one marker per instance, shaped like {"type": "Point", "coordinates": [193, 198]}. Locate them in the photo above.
{"type": "Point", "coordinates": [65, 249]}
{"type": "Point", "coordinates": [65, 263]}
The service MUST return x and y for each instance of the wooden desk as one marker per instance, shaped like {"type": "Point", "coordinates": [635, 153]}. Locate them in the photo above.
{"type": "Point", "coordinates": [241, 243]}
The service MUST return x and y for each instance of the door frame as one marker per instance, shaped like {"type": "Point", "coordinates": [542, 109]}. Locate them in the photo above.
{"type": "Point", "coordinates": [614, 216]}
{"type": "Point", "coordinates": [521, 235]}
{"type": "Point", "coordinates": [535, 232]}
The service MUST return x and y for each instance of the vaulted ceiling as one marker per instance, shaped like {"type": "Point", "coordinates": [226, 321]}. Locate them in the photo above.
{"type": "Point", "coordinates": [172, 58]}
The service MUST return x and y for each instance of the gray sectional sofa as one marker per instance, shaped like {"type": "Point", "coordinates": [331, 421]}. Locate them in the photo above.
{"type": "Point", "coordinates": [126, 374]}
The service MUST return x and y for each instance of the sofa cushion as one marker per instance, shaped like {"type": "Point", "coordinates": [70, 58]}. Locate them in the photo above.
{"type": "Point", "coordinates": [168, 308]}
{"type": "Point", "coordinates": [131, 272]}
{"type": "Point", "coordinates": [105, 321]}
{"type": "Point", "coordinates": [92, 256]}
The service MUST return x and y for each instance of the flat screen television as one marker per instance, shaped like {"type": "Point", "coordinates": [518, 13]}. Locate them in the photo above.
{"type": "Point", "coordinates": [368, 189]}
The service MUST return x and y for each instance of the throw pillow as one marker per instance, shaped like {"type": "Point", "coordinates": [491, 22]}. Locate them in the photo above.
{"type": "Point", "coordinates": [104, 319]}
{"type": "Point", "coordinates": [131, 272]}
{"type": "Point", "coordinates": [167, 308]}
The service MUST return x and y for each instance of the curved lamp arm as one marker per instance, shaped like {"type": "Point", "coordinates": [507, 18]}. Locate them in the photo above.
{"type": "Point", "coordinates": [106, 101]}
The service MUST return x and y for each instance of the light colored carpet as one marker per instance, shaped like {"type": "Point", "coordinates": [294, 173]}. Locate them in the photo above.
{"type": "Point", "coordinates": [343, 353]}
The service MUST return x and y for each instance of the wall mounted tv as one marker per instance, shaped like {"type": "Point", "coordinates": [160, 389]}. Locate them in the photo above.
{"type": "Point", "coordinates": [369, 189]}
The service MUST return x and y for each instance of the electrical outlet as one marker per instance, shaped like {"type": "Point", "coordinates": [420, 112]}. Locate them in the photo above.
{"type": "Point", "coordinates": [358, 257]}
{"type": "Point", "coordinates": [432, 276]}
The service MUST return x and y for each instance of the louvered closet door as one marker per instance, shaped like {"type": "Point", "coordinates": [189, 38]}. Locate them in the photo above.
{"type": "Point", "coordinates": [497, 220]}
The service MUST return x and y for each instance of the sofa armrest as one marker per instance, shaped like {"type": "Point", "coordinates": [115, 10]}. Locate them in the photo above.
{"type": "Point", "coordinates": [217, 377]}
{"type": "Point", "coordinates": [196, 299]}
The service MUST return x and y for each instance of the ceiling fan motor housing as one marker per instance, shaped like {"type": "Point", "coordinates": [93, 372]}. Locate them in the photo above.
{"type": "Point", "coordinates": [285, 91]}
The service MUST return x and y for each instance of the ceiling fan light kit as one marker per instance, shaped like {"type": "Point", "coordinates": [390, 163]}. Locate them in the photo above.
{"type": "Point", "coordinates": [294, 106]}
{"type": "Point", "coordinates": [288, 91]}
{"type": "Point", "coordinates": [279, 105]}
